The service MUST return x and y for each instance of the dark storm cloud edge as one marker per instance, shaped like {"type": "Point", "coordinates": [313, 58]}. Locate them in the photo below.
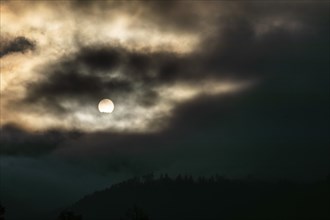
{"type": "Point", "coordinates": [17, 141]}
{"type": "Point", "coordinates": [16, 45]}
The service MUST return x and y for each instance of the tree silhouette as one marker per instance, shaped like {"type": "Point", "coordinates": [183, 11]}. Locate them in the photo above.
{"type": "Point", "coordinates": [68, 215]}
{"type": "Point", "coordinates": [136, 213]}
{"type": "Point", "coordinates": [2, 212]}
{"type": "Point", "coordinates": [148, 178]}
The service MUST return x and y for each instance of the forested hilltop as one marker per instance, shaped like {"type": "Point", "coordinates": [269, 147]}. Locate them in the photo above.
{"type": "Point", "coordinates": [184, 197]}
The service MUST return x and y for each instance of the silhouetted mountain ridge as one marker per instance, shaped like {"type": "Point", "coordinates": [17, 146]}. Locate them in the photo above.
{"type": "Point", "coordinates": [207, 198]}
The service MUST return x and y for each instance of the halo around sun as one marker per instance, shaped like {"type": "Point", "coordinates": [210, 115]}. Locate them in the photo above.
{"type": "Point", "coordinates": [106, 106]}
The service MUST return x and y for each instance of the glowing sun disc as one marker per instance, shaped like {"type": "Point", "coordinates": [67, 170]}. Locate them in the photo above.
{"type": "Point", "coordinates": [106, 106]}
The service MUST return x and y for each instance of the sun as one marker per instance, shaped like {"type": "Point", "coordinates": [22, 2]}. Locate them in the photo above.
{"type": "Point", "coordinates": [106, 106]}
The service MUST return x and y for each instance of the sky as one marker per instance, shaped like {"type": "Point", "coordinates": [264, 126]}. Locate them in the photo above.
{"type": "Point", "coordinates": [219, 87]}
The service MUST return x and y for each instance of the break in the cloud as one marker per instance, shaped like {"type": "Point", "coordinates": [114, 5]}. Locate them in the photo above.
{"type": "Point", "coordinates": [16, 45]}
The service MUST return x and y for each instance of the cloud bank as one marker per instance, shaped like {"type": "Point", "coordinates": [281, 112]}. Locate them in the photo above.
{"type": "Point", "coordinates": [234, 77]}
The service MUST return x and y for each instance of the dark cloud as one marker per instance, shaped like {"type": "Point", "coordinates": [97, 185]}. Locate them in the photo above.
{"type": "Point", "coordinates": [16, 45]}
{"type": "Point", "coordinates": [270, 131]}
{"type": "Point", "coordinates": [72, 85]}
{"type": "Point", "coordinates": [92, 73]}
{"type": "Point", "coordinates": [237, 51]}
{"type": "Point", "coordinates": [16, 141]}
{"type": "Point", "coordinates": [100, 59]}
